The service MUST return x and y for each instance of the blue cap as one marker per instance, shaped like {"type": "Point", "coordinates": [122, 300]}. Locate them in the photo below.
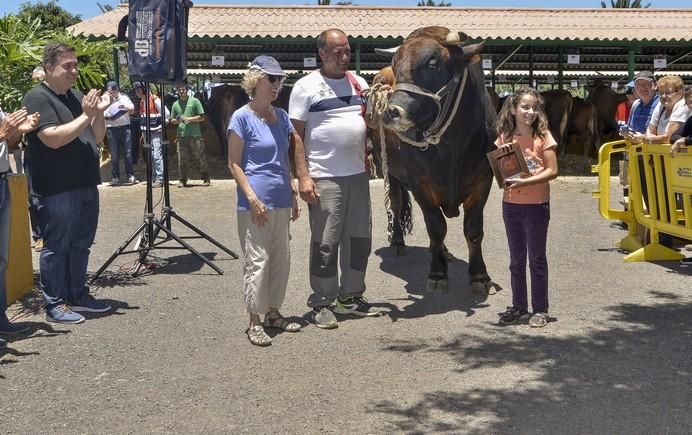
{"type": "Point", "coordinates": [112, 86]}
{"type": "Point", "coordinates": [267, 65]}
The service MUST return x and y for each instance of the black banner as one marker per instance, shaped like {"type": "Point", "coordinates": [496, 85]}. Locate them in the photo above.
{"type": "Point", "coordinates": [157, 31]}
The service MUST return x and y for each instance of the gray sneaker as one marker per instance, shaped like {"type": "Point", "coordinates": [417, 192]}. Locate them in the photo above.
{"type": "Point", "coordinates": [324, 318]}
{"type": "Point", "coordinates": [539, 320]}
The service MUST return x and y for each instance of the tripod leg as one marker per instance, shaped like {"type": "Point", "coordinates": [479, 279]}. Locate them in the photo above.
{"type": "Point", "coordinates": [118, 252]}
{"type": "Point", "coordinates": [188, 247]}
{"type": "Point", "coordinates": [203, 234]}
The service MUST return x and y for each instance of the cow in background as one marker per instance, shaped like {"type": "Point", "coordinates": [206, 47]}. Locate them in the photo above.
{"type": "Point", "coordinates": [225, 99]}
{"type": "Point", "coordinates": [606, 102]}
{"type": "Point", "coordinates": [583, 126]}
{"type": "Point", "coordinates": [558, 107]}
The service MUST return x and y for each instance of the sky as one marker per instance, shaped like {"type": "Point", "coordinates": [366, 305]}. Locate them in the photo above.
{"type": "Point", "coordinates": [89, 8]}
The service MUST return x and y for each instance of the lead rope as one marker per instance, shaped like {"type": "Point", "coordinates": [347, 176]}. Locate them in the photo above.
{"type": "Point", "coordinates": [377, 105]}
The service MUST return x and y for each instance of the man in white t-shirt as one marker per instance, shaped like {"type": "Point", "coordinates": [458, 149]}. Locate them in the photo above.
{"type": "Point", "coordinates": [327, 112]}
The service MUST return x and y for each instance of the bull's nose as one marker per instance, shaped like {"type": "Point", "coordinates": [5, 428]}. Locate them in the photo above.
{"type": "Point", "coordinates": [393, 112]}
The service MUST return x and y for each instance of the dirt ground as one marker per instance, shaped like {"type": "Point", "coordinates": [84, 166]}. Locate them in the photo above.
{"type": "Point", "coordinates": [172, 357]}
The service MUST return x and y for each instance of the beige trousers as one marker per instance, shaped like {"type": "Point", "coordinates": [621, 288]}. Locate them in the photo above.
{"type": "Point", "coordinates": [266, 259]}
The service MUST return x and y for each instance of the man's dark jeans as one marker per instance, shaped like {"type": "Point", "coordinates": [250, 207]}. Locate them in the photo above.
{"type": "Point", "coordinates": [527, 230]}
{"type": "Point", "coordinates": [68, 222]}
{"type": "Point", "coordinates": [120, 138]}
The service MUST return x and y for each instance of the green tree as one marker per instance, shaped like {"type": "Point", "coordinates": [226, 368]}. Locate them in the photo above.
{"type": "Point", "coordinates": [21, 49]}
{"type": "Point", "coordinates": [21, 45]}
{"type": "Point", "coordinates": [625, 4]}
{"type": "Point", "coordinates": [52, 16]}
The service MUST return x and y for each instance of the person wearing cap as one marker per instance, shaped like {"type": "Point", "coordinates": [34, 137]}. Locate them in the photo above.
{"type": "Point", "coordinates": [119, 134]}
{"type": "Point", "coordinates": [64, 159]}
{"type": "Point", "coordinates": [258, 138]}
{"type": "Point", "coordinates": [187, 113]}
{"type": "Point", "coordinates": [12, 127]}
{"type": "Point", "coordinates": [327, 108]}
{"type": "Point", "coordinates": [157, 117]}
{"type": "Point", "coordinates": [643, 106]}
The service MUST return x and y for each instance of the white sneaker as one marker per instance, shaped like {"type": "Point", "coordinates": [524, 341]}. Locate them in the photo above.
{"type": "Point", "coordinates": [132, 180]}
{"type": "Point", "coordinates": [115, 181]}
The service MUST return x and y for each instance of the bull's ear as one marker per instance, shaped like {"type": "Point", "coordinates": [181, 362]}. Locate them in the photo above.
{"type": "Point", "coordinates": [471, 50]}
{"type": "Point", "coordinates": [389, 52]}
{"type": "Point", "coordinates": [457, 38]}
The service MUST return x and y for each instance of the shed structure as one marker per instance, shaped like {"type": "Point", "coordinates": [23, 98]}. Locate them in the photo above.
{"type": "Point", "coordinates": [534, 46]}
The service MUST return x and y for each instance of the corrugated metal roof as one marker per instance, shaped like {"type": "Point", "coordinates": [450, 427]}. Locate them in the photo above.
{"type": "Point", "coordinates": [629, 25]}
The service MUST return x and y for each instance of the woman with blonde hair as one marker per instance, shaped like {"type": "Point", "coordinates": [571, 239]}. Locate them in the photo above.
{"type": "Point", "coordinates": [258, 137]}
{"type": "Point", "coordinates": [670, 113]}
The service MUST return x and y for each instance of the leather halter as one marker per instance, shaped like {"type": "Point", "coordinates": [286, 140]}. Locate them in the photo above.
{"type": "Point", "coordinates": [446, 107]}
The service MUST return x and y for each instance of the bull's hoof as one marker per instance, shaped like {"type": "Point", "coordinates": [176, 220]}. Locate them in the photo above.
{"type": "Point", "coordinates": [438, 286]}
{"type": "Point", "coordinates": [483, 288]}
{"type": "Point", "coordinates": [399, 250]}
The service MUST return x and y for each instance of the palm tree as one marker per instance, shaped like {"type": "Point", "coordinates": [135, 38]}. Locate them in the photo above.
{"type": "Point", "coordinates": [625, 4]}
{"type": "Point", "coordinates": [21, 46]}
{"type": "Point", "coordinates": [21, 50]}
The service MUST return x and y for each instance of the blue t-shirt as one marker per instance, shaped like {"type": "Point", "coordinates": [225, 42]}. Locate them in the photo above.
{"type": "Point", "coordinates": [640, 115]}
{"type": "Point", "coordinates": [265, 157]}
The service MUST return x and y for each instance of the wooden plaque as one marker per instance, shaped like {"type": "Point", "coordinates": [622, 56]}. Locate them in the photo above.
{"type": "Point", "coordinates": [507, 163]}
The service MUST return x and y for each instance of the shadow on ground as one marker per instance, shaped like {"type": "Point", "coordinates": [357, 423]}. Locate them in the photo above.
{"type": "Point", "coordinates": [413, 268]}
{"type": "Point", "coordinates": [587, 383]}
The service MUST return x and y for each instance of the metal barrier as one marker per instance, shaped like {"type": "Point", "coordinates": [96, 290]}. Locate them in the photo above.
{"type": "Point", "coordinates": [20, 271]}
{"type": "Point", "coordinates": [660, 196]}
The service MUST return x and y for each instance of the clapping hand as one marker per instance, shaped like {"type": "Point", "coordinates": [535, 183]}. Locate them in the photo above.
{"type": "Point", "coordinates": [95, 103]}
{"type": "Point", "coordinates": [19, 122]}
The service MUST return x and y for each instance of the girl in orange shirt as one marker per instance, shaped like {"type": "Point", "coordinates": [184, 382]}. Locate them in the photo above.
{"type": "Point", "coordinates": [526, 203]}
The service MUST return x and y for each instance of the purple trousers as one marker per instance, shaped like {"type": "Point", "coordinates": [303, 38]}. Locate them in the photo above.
{"type": "Point", "coordinates": [527, 232]}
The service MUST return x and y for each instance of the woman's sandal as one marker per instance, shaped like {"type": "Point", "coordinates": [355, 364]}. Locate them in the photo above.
{"type": "Point", "coordinates": [257, 336]}
{"type": "Point", "coordinates": [281, 323]}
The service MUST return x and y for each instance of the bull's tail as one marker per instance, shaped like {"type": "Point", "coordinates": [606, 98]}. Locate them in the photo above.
{"type": "Point", "coordinates": [406, 216]}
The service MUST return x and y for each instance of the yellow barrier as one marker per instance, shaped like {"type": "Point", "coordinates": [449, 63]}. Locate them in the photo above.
{"type": "Point", "coordinates": [668, 205]}
{"type": "Point", "coordinates": [20, 271]}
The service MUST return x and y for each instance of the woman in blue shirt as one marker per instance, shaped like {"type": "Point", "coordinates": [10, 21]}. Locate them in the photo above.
{"type": "Point", "coordinates": [258, 137]}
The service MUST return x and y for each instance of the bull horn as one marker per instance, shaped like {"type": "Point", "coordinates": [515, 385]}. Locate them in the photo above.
{"type": "Point", "coordinates": [456, 38]}
{"type": "Point", "coordinates": [387, 51]}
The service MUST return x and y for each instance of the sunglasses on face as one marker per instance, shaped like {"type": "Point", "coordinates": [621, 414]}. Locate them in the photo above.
{"type": "Point", "coordinates": [273, 79]}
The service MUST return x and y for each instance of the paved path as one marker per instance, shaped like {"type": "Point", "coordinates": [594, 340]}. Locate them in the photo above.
{"type": "Point", "coordinates": [172, 358]}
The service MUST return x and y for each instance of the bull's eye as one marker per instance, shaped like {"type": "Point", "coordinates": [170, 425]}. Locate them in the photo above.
{"type": "Point", "coordinates": [433, 63]}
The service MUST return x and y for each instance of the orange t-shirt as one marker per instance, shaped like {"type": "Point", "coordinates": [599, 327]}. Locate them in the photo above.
{"type": "Point", "coordinates": [533, 154]}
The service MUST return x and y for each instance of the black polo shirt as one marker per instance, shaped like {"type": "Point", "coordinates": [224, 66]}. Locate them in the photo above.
{"type": "Point", "coordinates": [73, 166]}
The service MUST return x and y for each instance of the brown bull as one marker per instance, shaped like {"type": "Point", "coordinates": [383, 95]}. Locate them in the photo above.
{"type": "Point", "coordinates": [443, 116]}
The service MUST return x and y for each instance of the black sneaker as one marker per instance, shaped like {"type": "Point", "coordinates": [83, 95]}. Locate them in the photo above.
{"type": "Point", "coordinates": [87, 304]}
{"type": "Point", "coordinates": [356, 305]}
{"type": "Point", "coordinates": [512, 314]}
{"type": "Point", "coordinates": [9, 328]}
